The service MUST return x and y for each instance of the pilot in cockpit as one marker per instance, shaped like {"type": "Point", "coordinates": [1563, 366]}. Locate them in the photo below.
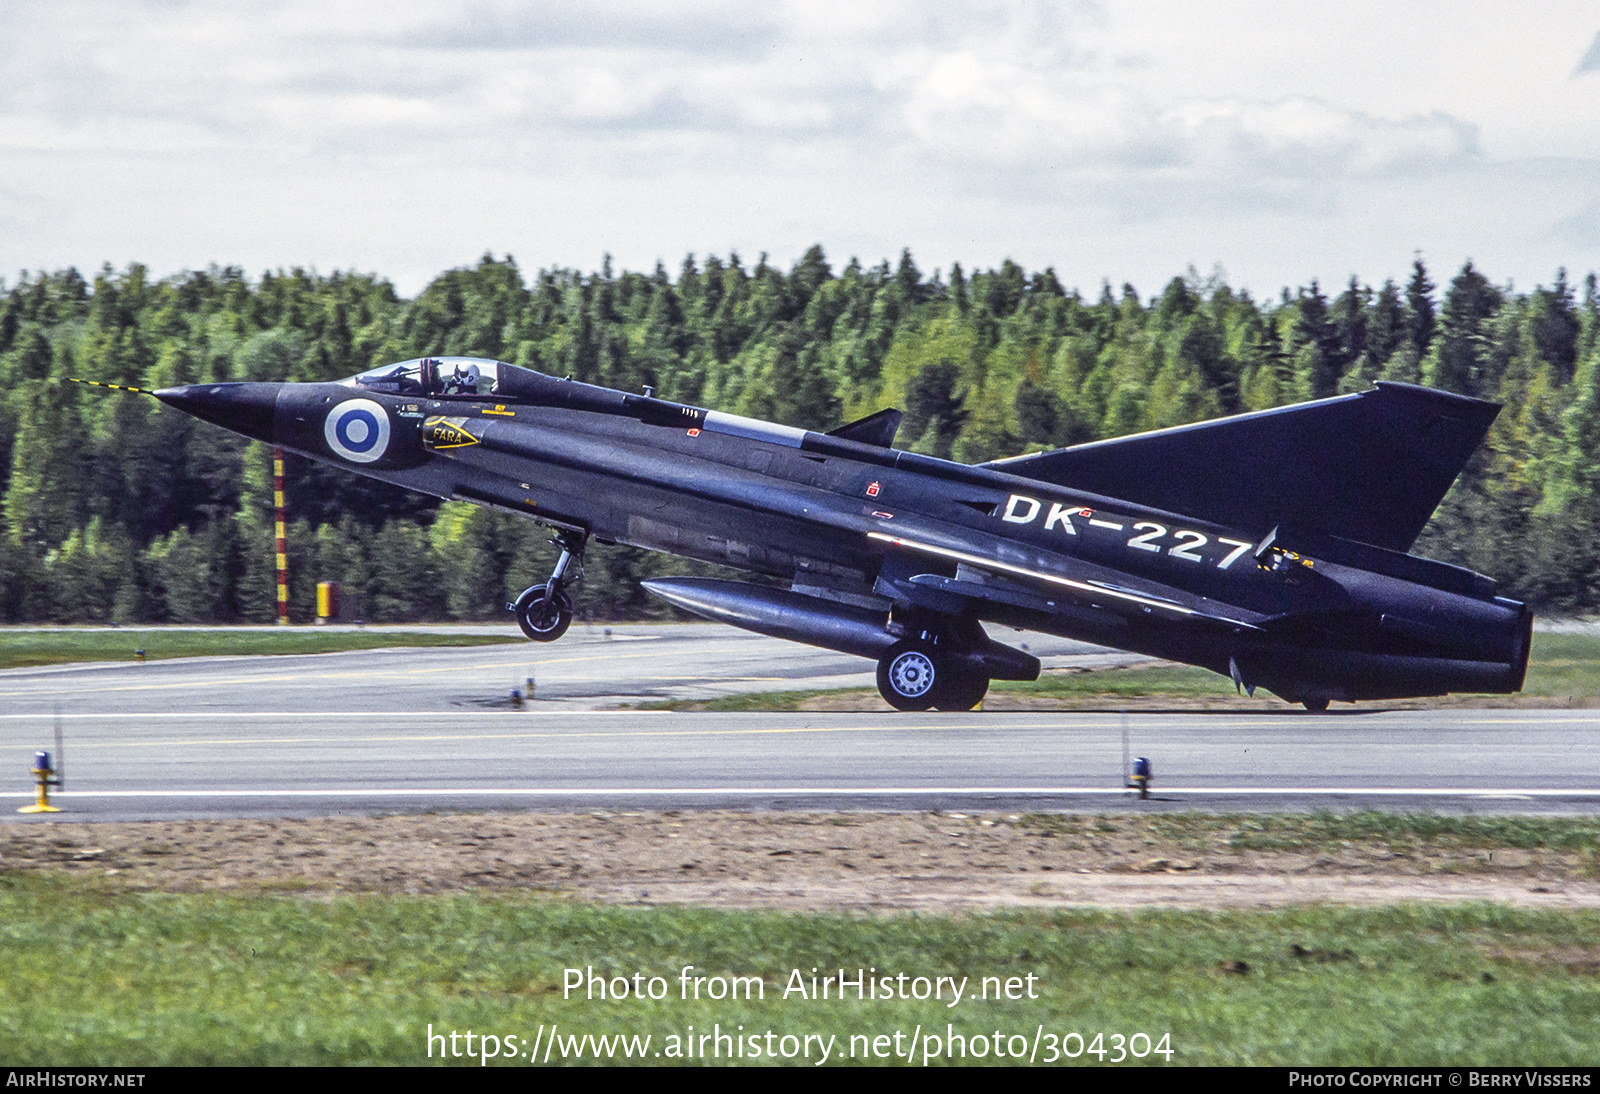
{"type": "Point", "coordinates": [463, 382]}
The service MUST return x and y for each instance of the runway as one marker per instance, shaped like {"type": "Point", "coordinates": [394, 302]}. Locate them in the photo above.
{"type": "Point", "coordinates": [431, 729]}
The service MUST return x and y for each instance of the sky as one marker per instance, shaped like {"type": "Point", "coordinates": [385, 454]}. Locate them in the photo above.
{"type": "Point", "coordinates": [1118, 140]}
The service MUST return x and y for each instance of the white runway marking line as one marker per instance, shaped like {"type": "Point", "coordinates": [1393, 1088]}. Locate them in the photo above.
{"type": "Point", "coordinates": [836, 791]}
{"type": "Point", "coordinates": [996, 718]}
{"type": "Point", "coordinates": [753, 731]}
{"type": "Point", "coordinates": [217, 715]}
{"type": "Point", "coordinates": [1090, 719]}
{"type": "Point", "coordinates": [376, 674]}
{"type": "Point", "coordinates": [733, 731]}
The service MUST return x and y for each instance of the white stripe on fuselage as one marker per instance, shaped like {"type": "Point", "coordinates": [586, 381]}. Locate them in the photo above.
{"type": "Point", "coordinates": [736, 425]}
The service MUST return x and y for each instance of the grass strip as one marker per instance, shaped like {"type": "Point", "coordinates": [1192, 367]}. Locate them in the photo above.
{"type": "Point", "coordinates": [22, 649]}
{"type": "Point", "coordinates": [1418, 834]}
{"type": "Point", "coordinates": [1185, 680]}
{"type": "Point", "coordinates": [1173, 680]}
{"type": "Point", "coordinates": [1560, 666]}
{"type": "Point", "coordinates": [98, 975]}
{"type": "Point", "coordinates": [1563, 664]}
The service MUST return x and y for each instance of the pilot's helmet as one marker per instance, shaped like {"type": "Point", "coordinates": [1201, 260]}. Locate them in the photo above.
{"type": "Point", "coordinates": [467, 377]}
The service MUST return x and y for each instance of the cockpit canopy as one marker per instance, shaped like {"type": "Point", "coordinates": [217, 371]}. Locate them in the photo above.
{"type": "Point", "coordinates": [434, 376]}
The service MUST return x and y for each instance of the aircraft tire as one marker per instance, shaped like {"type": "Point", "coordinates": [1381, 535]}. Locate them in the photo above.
{"type": "Point", "coordinates": [961, 691]}
{"type": "Point", "coordinates": [541, 620]}
{"type": "Point", "coordinates": [1315, 706]}
{"type": "Point", "coordinates": [909, 676]}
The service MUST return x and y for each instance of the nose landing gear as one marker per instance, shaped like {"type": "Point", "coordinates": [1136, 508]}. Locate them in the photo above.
{"type": "Point", "coordinates": [544, 612]}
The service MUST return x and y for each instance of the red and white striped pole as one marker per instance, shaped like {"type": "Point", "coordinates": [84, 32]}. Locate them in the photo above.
{"type": "Point", "coordinates": [283, 546]}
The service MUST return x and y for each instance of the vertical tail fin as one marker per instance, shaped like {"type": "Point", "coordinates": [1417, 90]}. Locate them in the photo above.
{"type": "Point", "coordinates": [1370, 467]}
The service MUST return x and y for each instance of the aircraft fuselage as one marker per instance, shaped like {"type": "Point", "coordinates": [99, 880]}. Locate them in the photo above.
{"type": "Point", "coordinates": [886, 547]}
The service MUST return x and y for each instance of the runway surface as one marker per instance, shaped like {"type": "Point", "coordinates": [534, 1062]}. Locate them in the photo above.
{"type": "Point", "coordinates": [432, 729]}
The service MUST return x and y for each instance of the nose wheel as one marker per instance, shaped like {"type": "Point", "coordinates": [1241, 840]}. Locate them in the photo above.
{"type": "Point", "coordinates": [544, 612]}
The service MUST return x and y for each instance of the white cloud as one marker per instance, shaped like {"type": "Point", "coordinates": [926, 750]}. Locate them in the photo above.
{"type": "Point", "coordinates": [1015, 83]}
{"type": "Point", "coordinates": [418, 134]}
{"type": "Point", "coordinates": [1299, 137]}
{"type": "Point", "coordinates": [1590, 62]}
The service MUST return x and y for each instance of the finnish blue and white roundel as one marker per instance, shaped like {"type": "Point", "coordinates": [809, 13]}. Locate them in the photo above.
{"type": "Point", "coordinates": [358, 430]}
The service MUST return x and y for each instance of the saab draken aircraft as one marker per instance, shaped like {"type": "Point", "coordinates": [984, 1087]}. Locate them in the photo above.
{"type": "Point", "coordinates": [1269, 547]}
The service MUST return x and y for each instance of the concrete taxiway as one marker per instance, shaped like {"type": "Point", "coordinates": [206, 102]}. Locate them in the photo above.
{"type": "Point", "coordinates": [432, 729]}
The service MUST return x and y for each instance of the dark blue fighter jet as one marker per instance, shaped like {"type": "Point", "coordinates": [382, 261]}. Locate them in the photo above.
{"type": "Point", "coordinates": [1269, 547]}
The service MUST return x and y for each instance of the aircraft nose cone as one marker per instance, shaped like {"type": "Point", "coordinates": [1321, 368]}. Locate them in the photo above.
{"type": "Point", "coordinates": [243, 408]}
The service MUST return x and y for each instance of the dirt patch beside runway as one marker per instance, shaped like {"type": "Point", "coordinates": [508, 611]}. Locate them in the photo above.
{"type": "Point", "coordinates": [939, 861]}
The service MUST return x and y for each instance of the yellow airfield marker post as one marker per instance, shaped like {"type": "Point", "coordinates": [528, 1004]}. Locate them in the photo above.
{"type": "Point", "coordinates": [45, 775]}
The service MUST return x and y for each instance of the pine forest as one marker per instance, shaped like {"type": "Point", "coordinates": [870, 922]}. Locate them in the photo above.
{"type": "Point", "coordinates": [115, 508]}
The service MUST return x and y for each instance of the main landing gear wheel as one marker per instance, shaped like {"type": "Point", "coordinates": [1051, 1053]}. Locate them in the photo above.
{"type": "Point", "coordinates": [961, 691]}
{"type": "Point", "coordinates": [543, 615]}
{"type": "Point", "coordinates": [1315, 706]}
{"type": "Point", "coordinates": [909, 676]}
